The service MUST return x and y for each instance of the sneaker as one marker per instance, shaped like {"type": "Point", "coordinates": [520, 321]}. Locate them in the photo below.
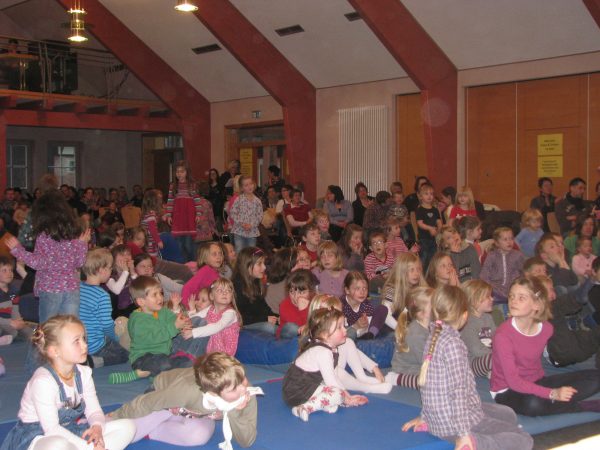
{"type": "Point", "coordinates": [6, 339]}
{"type": "Point", "coordinates": [300, 412]}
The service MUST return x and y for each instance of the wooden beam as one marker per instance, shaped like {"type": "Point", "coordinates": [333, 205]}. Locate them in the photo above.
{"type": "Point", "coordinates": [89, 121]}
{"type": "Point", "coordinates": [175, 92]}
{"type": "Point", "coordinates": [3, 180]}
{"type": "Point", "coordinates": [431, 70]}
{"type": "Point", "coordinates": [279, 77]}
{"type": "Point", "coordinates": [593, 7]}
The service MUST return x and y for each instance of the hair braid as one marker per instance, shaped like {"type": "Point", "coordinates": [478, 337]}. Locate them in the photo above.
{"type": "Point", "coordinates": [425, 365]}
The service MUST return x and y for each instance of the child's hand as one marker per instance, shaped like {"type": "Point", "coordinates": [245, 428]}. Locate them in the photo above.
{"type": "Point", "coordinates": [12, 242]}
{"type": "Point", "coordinates": [363, 322]}
{"type": "Point", "coordinates": [415, 248]}
{"type": "Point", "coordinates": [301, 329]}
{"type": "Point", "coordinates": [454, 279]}
{"type": "Point", "coordinates": [272, 320]}
{"type": "Point", "coordinates": [94, 435]}
{"type": "Point", "coordinates": [182, 322]}
{"type": "Point", "coordinates": [415, 424]}
{"type": "Point", "coordinates": [464, 443]}
{"type": "Point", "coordinates": [377, 374]}
{"type": "Point", "coordinates": [129, 266]}
{"type": "Point", "coordinates": [357, 247]}
{"type": "Point", "coordinates": [161, 245]}
{"type": "Point", "coordinates": [433, 231]}
{"type": "Point", "coordinates": [246, 226]}
{"type": "Point", "coordinates": [175, 299]}
{"type": "Point", "coordinates": [354, 400]}
{"type": "Point", "coordinates": [186, 333]}
{"type": "Point", "coordinates": [565, 393]}
{"type": "Point", "coordinates": [303, 303]}
{"type": "Point", "coordinates": [169, 220]}
{"type": "Point", "coordinates": [17, 324]}
{"type": "Point", "coordinates": [86, 235]}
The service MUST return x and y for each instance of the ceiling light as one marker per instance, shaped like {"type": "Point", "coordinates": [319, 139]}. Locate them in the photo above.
{"type": "Point", "coordinates": [76, 36]}
{"type": "Point", "coordinates": [186, 6]}
{"type": "Point", "coordinates": [77, 23]}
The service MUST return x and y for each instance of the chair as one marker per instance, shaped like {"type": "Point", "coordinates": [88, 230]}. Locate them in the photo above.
{"type": "Point", "coordinates": [132, 215]}
{"type": "Point", "coordinates": [553, 222]}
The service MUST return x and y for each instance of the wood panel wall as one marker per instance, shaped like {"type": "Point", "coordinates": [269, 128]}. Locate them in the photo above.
{"type": "Point", "coordinates": [502, 125]}
{"type": "Point", "coordinates": [411, 160]}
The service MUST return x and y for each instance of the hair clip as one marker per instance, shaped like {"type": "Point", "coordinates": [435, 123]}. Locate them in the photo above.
{"type": "Point", "coordinates": [537, 294]}
{"type": "Point", "coordinates": [258, 251]}
{"type": "Point", "coordinates": [428, 357]}
{"type": "Point", "coordinates": [439, 322]}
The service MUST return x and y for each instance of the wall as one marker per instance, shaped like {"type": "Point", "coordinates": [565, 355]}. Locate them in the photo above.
{"type": "Point", "coordinates": [108, 158]}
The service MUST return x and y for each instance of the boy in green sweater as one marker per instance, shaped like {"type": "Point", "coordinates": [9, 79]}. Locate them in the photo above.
{"type": "Point", "coordinates": [152, 328]}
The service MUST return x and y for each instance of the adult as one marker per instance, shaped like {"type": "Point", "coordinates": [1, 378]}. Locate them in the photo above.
{"type": "Point", "coordinates": [376, 213]}
{"type": "Point", "coordinates": [90, 202]}
{"type": "Point", "coordinates": [226, 178]}
{"type": "Point", "coordinates": [297, 213]}
{"type": "Point", "coordinates": [216, 195]}
{"type": "Point", "coordinates": [275, 179]}
{"type": "Point", "coordinates": [362, 202]}
{"type": "Point", "coordinates": [271, 198]}
{"type": "Point", "coordinates": [572, 206]}
{"type": "Point", "coordinates": [412, 200]}
{"type": "Point", "coordinates": [285, 200]}
{"type": "Point", "coordinates": [138, 196]}
{"type": "Point", "coordinates": [545, 201]}
{"type": "Point", "coordinates": [339, 210]}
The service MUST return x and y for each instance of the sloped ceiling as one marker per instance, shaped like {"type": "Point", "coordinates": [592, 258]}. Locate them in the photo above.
{"type": "Point", "coordinates": [333, 51]}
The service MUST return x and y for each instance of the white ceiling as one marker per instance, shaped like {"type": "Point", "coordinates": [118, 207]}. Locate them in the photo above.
{"type": "Point", "coordinates": [333, 51]}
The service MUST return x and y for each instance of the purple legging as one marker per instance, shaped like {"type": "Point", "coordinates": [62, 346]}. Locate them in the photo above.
{"type": "Point", "coordinates": [176, 430]}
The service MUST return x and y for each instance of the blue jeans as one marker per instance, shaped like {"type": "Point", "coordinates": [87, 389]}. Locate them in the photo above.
{"type": "Point", "coordinates": [428, 249]}
{"type": "Point", "coordinates": [55, 303]}
{"type": "Point", "coordinates": [112, 353]}
{"type": "Point", "coordinates": [157, 363]}
{"type": "Point", "coordinates": [186, 244]}
{"type": "Point", "coordinates": [266, 327]}
{"type": "Point", "coordinates": [194, 346]}
{"type": "Point", "coordinates": [241, 242]}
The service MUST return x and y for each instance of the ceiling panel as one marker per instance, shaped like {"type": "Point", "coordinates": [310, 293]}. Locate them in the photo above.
{"type": "Point", "coordinates": [479, 33]}
{"type": "Point", "coordinates": [332, 51]}
{"type": "Point", "coordinates": [172, 34]}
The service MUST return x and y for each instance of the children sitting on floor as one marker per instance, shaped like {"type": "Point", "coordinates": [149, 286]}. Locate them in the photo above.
{"type": "Point", "coordinates": [379, 261]}
{"type": "Point", "coordinates": [11, 323]}
{"type": "Point", "coordinates": [330, 270]}
{"type": "Point", "coordinates": [118, 283]}
{"type": "Point", "coordinates": [210, 261]}
{"type": "Point", "coordinates": [581, 263]}
{"type": "Point", "coordinates": [441, 271]}
{"type": "Point", "coordinates": [364, 320]}
{"type": "Point", "coordinates": [293, 311]}
{"type": "Point", "coordinates": [311, 238]}
{"type": "Point", "coordinates": [531, 231]}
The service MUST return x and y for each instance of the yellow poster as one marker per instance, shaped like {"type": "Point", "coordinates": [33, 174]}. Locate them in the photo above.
{"type": "Point", "coordinates": [550, 166]}
{"type": "Point", "coordinates": [550, 144]}
{"type": "Point", "coordinates": [246, 161]}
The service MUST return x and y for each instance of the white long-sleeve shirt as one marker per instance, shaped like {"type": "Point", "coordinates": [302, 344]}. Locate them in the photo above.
{"type": "Point", "coordinates": [228, 318]}
{"type": "Point", "coordinates": [320, 359]}
{"type": "Point", "coordinates": [41, 402]}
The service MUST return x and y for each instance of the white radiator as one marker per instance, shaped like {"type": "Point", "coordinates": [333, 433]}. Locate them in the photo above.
{"type": "Point", "coordinates": [364, 151]}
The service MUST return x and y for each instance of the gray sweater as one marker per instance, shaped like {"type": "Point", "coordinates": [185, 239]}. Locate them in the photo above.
{"type": "Point", "coordinates": [410, 362]}
{"type": "Point", "coordinates": [466, 262]}
{"type": "Point", "coordinates": [477, 332]}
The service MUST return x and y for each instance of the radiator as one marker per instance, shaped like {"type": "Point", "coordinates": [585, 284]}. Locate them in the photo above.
{"type": "Point", "coordinates": [364, 151]}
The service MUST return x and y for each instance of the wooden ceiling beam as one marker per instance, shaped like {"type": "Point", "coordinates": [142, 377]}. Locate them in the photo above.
{"type": "Point", "coordinates": [593, 7]}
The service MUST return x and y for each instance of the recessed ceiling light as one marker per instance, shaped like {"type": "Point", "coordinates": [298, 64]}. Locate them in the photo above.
{"type": "Point", "coordinates": [286, 31]}
{"type": "Point", "coordinates": [206, 49]}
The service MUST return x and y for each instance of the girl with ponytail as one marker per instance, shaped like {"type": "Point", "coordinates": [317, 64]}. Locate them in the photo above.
{"type": "Point", "coordinates": [451, 407]}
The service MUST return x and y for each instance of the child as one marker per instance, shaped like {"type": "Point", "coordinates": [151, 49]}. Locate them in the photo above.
{"type": "Point", "coordinates": [582, 261]}
{"type": "Point", "coordinates": [531, 231]}
{"type": "Point", "coordinates": [210, 261]}
{"type": "Point", "coordinates": [321, 218]}
{"type": "Point", "coordinates": [249, 291]}
{"type": "Point", "coordinates": [293, 311]}
{"type": "Point", "coordinates": [311, 383]}
{"type": "Point", "coordinates": [411, 338]}
{"type": "Point", "coordinates": [330, 271]}
{"type": "Point", "coordinates": [464, 206]}
{"type": "Point", "coordinates": [59, 408]}
{"type": "Point", "coordinates": [452, 409]}
{"type": "Point", "coordinates": [152, 327]}
{"type": "Point", "coordinates": [352, 248]}
{"type": "Point", "coordinates": [441, 271]}
{"type": "Point", "coordinates": [464, 256]}
{"type": "Point", "coordinates": [394, 242]}
{"type": "Point", "coordinates": [282, 263]}
{"type": "Point", "coordinates": [95, 311]}
{"type": "Point", "coordinates": [379, 261]}
{"type": "Point", "coordinates": [246, 214]}
{"type": "Point", "coordinates": [469, 228]}
{"type": "Point", "coordinates": [118, 283]}
{"type": "Point", "coordinates": [311, 239]}
{"type": "Point", "coordinates": [143, 265]}
{"type": "Point", "coordinates": [182, 211]}
{"type": "Point", "coordinates": [365, 319]}
{"type": "Point", "coordinates": [230, 259]}
{"type": "Point", "coordinates": [11, 323]}
{"type": "Point", "coordinates": [550, 250]}
{"type": "Point", "coordinates": [59, 252]}
{"type": "Point", "coordinates": [480, 327]}
{"type": "Point", "coordinates": [406, 274]}
{"type": "Point", "coordinates": [190, 401]}
{"type": "Point", "coordinates": [502, 265]}
{"type": "Point", "coordinates": [429, 223]}
{"type": "Point", "coordinates": [518, 378]}
{"type": "Point", "coordinates": [151, 214]}
{"type": "Point", "coordinates": [221, 328]}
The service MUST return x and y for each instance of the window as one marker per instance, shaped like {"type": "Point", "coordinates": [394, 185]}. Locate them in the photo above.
{"type": "Point", "coordinates": [62, 162]}
{"type": "Point", "coordinates": [17, 164]}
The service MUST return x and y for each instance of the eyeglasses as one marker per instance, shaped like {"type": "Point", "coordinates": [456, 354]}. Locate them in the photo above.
{"type": "Point", "coordinates": [223, 290]}
{"type": "Point", "coordinates": [377, 242]}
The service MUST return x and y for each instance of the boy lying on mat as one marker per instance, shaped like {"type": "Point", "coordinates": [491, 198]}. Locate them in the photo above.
{"type": "Point", "coordinates": [178, 413]}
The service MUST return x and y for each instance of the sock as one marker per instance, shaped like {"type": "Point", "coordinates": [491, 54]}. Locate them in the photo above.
{"type": "Point", "coordinates": [482, 365]}
{"type": "Point", "coordinates": [408, 380]}
{"type": "Point", "coordinates": [122, 377]}
{"type": "Point", "coordinates": [6, 339]}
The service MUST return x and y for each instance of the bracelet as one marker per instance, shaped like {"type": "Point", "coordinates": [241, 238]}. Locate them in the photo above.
{"type": "Point", "coordinates": [553, 395]}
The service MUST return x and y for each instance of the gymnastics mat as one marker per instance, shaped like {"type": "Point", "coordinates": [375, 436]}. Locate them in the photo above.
{"type": "Point", "coordinates": [375, 425]}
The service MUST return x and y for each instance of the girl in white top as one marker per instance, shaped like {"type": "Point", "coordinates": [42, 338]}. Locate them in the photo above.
{"type": "Point", "coordinates": [61, 393]}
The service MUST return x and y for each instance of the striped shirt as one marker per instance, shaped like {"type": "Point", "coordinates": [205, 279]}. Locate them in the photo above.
{"type": "Point", "coordinates": [395, 246]}
{"type": "Point", "coordinates": [95, 312]}
{"type": "Point", "coordinates": [375, 266]}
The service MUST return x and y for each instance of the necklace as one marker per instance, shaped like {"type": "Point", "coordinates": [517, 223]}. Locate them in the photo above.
{"type": "Point", "coordinates": [65, 377]}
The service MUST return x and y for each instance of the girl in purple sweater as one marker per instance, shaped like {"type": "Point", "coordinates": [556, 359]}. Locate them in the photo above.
{"type": "Point", "coordinates": [518, 378]}
{"type": "Point", "coordinates": [60, 250]}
